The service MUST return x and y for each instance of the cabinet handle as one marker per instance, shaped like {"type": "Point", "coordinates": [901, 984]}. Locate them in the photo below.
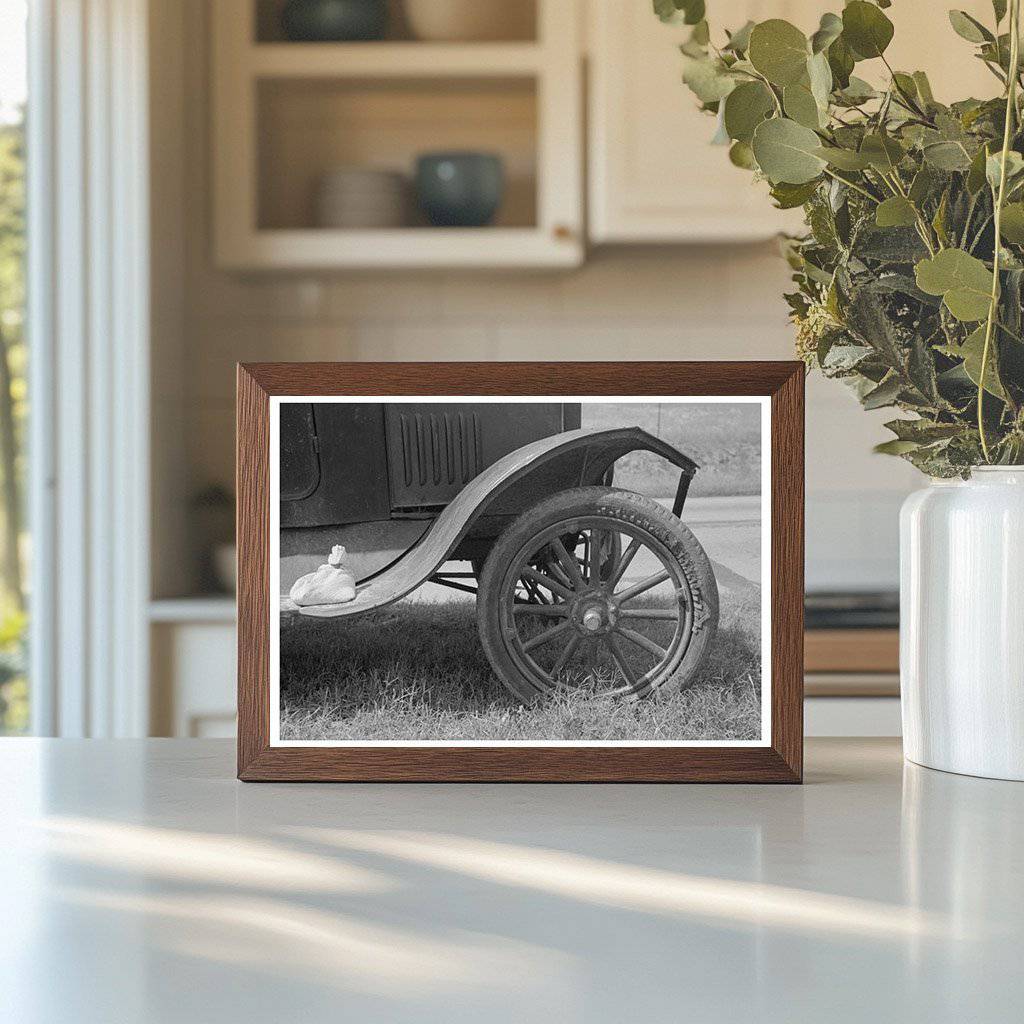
{"type": "Point", "coordinates": [562, 232]}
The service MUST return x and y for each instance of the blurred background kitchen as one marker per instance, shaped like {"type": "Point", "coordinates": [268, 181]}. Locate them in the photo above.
{"type": "Point", "coordinates": [443, 179]}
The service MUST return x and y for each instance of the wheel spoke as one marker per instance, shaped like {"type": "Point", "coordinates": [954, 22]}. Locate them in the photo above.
{"type": "Point", "coordinates": [642, 641]}
{"type": "Point", "coordinates": [623, 564]}
{"type": "Point", "coordinates": [529, 573]}
{"type": "Point", "coordinates": [618, 656]}
{"type": "Point", "coordinates": [568, 562]}
{"type": "Point", "coordinates": [594, 557]}
{"type": "Point", "coordinates": [549, 634]}
{"type": "Point", "coordinates": [566, 655]}
{"type": "Point", "coordinates": [642, 586]}
{"type": "Point", "coordinates": [550, 611]}
{"type": "Point", "coordinates": [648, 613]}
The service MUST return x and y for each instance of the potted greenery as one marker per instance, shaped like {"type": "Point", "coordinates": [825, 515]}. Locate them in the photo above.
{"type": "Point", "coordinates": [902, 292]}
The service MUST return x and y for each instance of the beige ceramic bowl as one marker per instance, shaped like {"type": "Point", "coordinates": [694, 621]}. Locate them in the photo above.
{"type": "Point", "coordinates": [358, 197]}
{"type": "Point", "coordinates": [471, 20]}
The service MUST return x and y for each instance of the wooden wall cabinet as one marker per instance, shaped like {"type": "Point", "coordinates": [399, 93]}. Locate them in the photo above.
{"type": "Point", "coordinates": [653, 175]}
{"type": "Point", "coordinates": [285, 113]}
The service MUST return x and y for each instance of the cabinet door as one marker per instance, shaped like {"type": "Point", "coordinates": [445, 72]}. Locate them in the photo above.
{"type": "Point", "coordinates": [653, 174]}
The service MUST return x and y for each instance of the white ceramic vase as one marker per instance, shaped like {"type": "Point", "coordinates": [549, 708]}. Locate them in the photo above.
{"type": "Point", "coordinates": [962, 624]}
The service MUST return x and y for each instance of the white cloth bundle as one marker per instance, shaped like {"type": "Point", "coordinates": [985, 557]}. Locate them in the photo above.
{"type": "Point", "coordinates": [332, 583]}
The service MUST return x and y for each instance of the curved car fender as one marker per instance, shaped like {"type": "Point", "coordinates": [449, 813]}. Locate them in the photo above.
{"type": "Point", "coordinates": [595, 451]}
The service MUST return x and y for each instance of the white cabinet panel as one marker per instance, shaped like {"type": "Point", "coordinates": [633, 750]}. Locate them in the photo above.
{"type": "Point", "coordinates": [653, 174]}
{"type": "Point", "coordinates": [193, 678]}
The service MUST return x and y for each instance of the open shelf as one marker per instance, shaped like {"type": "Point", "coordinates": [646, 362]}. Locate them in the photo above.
{"type": "Point", "coordinates": [286, 114]}
{"type": "Point", "coordinates": [205, 608]}
{"type": "Point", "coordinates": [520, 23]}
{"type": "Point", "coordinates": [393, 60]}
{"type": "Point", "coordinates": [309, 127]}
{"type": "Point", "coordinates": [406, 248]}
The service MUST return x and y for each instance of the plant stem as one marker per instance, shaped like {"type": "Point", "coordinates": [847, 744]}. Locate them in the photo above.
{"type": "Point", "coordinates": [1011, 109]}
{"type": "Point", "coordinates": [853, 185]}
{"type": "Point", "coordinates": [910, 102]}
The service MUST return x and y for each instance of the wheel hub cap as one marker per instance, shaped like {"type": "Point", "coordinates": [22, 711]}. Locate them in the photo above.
{"type": "Point", "coordinates": [594, 613]}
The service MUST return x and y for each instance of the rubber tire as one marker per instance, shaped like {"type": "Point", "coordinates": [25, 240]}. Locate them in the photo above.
{"type": "Point", "coordinates": [626, 507]}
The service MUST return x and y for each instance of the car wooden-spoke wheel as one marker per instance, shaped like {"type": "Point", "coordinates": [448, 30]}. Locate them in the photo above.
{"type": "Point", "coordinates": [596, 589]}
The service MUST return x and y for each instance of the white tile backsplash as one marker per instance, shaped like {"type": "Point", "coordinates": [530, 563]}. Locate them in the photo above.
{"type": "Point", "coordinates": [715, 303]}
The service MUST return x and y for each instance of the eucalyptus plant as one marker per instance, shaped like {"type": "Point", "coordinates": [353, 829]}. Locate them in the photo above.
{"type": "Point", "coordinates": [910, 277]}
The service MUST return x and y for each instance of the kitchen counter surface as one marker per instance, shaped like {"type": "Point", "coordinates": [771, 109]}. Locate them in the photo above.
{"type": "Point", "coordinates": [140, 882]}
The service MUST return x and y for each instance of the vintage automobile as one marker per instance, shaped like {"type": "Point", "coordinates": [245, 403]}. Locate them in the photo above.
{"type": "Point", "coordinates": [577, 583]}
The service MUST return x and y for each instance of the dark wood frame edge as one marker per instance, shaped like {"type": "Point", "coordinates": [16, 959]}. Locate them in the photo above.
{"type": "Point", "coordinates": [780, 762]}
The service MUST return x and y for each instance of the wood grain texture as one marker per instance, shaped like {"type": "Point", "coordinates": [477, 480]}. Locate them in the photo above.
{"type": "Point", "coordinates": [779, 762]}
{"type": "Point", "coordinates": [852, 650]}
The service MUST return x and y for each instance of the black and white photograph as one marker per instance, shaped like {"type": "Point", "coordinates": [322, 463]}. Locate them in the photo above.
{"type": "Point", "coordinates": [459, 571]}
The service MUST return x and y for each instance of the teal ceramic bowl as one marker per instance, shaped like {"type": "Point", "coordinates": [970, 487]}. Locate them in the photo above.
{"type": "Point", "coordinates": [334, 21]}
{"type": "Point", "coordinates": [460, 189]}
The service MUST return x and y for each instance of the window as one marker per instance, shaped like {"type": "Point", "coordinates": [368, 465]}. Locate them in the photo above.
{"type": "Point", "coordinates": [14, 693]}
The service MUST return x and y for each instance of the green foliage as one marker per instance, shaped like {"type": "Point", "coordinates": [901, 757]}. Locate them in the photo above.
{"type": "Point", "coordinates": [13, 412]}
{"type": "Point", "coordinates": [786, 151]}
{"type": "Point", "coordinates": [901, 290]}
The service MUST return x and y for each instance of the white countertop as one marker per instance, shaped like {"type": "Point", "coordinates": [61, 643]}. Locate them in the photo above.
{"type": "Point", "coordinates": [140, 882]}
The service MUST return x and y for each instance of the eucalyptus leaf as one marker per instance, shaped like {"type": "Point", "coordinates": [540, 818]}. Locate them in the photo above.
{"type": "Point", "coordinates": [922, 431]}
{"type": "Point", "coordinates": [788, 196]}
{"type": "Point", "coordinates": [721, 136]}
{"type": "Point", "coordinates": [829, 30]}
{"type": "Point", "coordinates": [701, 34]}
{"type": "Point", "coordinates": [969, 28]}
{"type": "Point", "coordinates": [779, 51]}
{"type": "Point", "coordinates": [843, 358]}
{"type": "Point", "coordinates": [708, 80]}
{"type": "Point", "coordinates": [972, 352]}
{"type": "Point", "coordinates": [883, 152]}
{"type": "Point", "coordinates": [976, 175]}
{"type": "Point", "coordinates": [857, 91]}
{"type": "Point", "coordinates": [924, 87]}
{"type": "Point", "coordinates": [739, 41]}
{"type": "Point", "coordinates": [883, 395]}
{"type": "Point", "coordinates": [947, 156]}
{"type": "Point", "coordinates": [787, 152]}
{"type": "Point", "coordinates": [801, 106]}
{"type": "Point", "coordinates": [895, 447]}
{"type": "Point", "coordinates": [905, 84]}
{"type": "Point", "coordinates": [841, 62]}
{"type": "Point", "coordinates": [1012, 223]}
{"type": "Point", "coordinates": [745, 108]}
{"type": "Point", "coordinates": [690, 12]}
{"type": "Point", "coordinates": [844, 159]}
{"type": "Point", "coordinates": [866, 29]}
{"type": "Point", "coordinates": [895, 212]}
{"type": "Point", "coordinates": [741, 155]}
{"type": "Point", "coordinates": [993, 167]}
{"type": "Point", "coordinates": [963, 281]}
{"type": "Point", "coordinates": [819, 76]}
{"type": "Point", "coordinates": [922, 185]}
{"type": "Point", "coordinates": [939, 219]}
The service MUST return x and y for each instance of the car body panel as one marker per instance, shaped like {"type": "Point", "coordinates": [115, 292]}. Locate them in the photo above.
{"type": "Point", "coordinates": [523, 477]}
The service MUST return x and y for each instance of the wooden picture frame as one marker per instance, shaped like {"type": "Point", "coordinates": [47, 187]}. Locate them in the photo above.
{"type": "Point", "coordinates": [780, 757]}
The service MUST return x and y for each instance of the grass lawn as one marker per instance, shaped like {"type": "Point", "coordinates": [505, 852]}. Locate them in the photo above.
{"type": "Point", "coordinates": [416, 671]}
